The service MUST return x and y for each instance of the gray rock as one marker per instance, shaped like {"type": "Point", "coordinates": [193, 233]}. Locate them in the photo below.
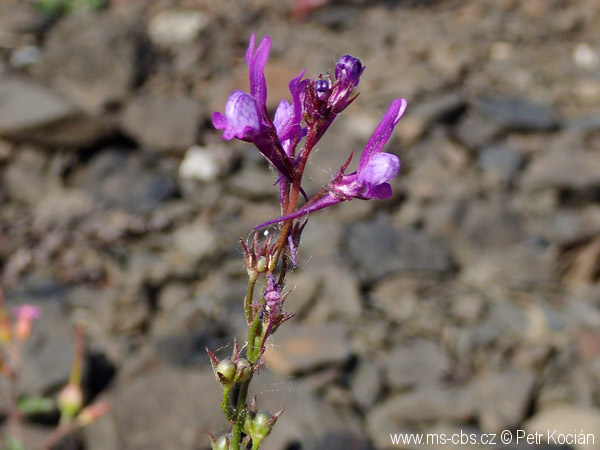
{"type": "Point", "coordinates": [518, 114]}
{"type": "Point", "coordinates": [489, 223]}
{"type": "Point", "coordinates": [307, 422]}
{"type": "Point", "coordinates": [255, 182]}
{"type": "Point", "coordinates": [300, 348]}
{"type": "Point", "coordinates": [174, 27]}
{"type": "Point", "coordinates": [128, 180]}
{"type": "Point", "coordinates": [503, 399]}
{"type": "Point", "coordinates": [26, 105]}
{"type": "Point", "coordinates": [80, 49]}
{"type": "Point", "coordinates": [500, 159]}
{"type": "Point", "coordinates": [563, 168]}
{"type": "Point", "coordinates": [366, 384]}
{"type": "Point", "coordinates": [48, 353]}
{"type": "Point", "coordinates": [426, 113]}
{"type": "Point", "coordinates": [340, 291]}
{"type": "Point", "coordinates": [475, 130]}
{"type": "Point", "coordinates": [376, 250]}
{"type": "Point", "coordinates": [415, 363]}
{"type": "Point", "coordinates": [163, 123]}
{"type": "Point", "coordinates": [567, 419]}
{"type": "Point", "coordinates": [397, 297]}
{"type": "Point", "coordinates": [21, 18]}
{"type": "Point", "coordinates": [427, 404]}
{"type": "Point", "coordinates": [25, 178]}
{"type": "Point", "coordinates": [180, 404]}
{"type": "Point", "coordinates": [30, 112]}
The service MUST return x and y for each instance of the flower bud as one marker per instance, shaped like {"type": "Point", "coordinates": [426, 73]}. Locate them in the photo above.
{"type": "Point", "coordinates": [70, 400]}
{"type": "Point", "coordinates": [243, 370]}
{"type": "Point", "coordinates": [261, 265]}
{"type": "Point", "coordinates": [226, 371]}
{"type": "Point", "coordinates": [259, 425]}
{"type": "Point", "coordinates": [223, 442]}
{"type": "Point", "coordinates": [348, 70]}
{"type": "Point", "coordinates": [92, 413]}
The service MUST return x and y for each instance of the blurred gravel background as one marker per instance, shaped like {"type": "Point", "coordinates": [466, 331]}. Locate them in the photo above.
{"type": "Point", "coordinates": [469, 301]}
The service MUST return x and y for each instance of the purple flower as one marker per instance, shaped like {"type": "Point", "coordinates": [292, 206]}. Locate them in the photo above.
{"type": "Point", "coordinates": [246, 116]}
{"type": "Point", "coordinates": [370, 180]}
{"type": "Point", "coordinates": [241, 119]}
{"type": "Point", "coordinates": [27, 312]}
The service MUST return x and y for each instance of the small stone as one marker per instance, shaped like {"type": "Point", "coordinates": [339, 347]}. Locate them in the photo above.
{"type": "Point", "coordinates": [574, 169]}
{"type": "Point", "coordinates": [567, 419]}
{"type": "Point", "coordinates": [300, 348]}
{"type": "Point", "coordinates": [422, 117]}
{"type": "Point", "coordinates": [173, 295]}
{"type": "Point", "coordinates": [585, 57]}
{"type": "Point", "coordinates": [377, 250]}
{"type": "Point", "coordinates": [196, 240]}
{"type": "Point", "coordinates": [128, 180]}
{"type": "Point", "coordinates": [340, 292]}
{"type": "Point", "coordinates": [26, 105]}
{"type": "Point", "coordinates": [503, 399]}
{"type": "Point", "coordinates": [163, 123]}
{"type": "Point", "coordinates": [202, 164]}
{"type": "Point", "coordinates": [397, 297]}
{"type": "Point", "coordinates": [171, 28]}
{"type": "Point", "coordinates": [475, 130]}
{"type": "Point", "coordinates": [366, 384]}
{"type": "Point", "coordinates": [178, 416]}
{"type": "Point", "coordinates": [48, 352]}
{"type": "Point", "coordinates": [517, 114]}
{"type": "Point", "coordinates": [25, 56]}
{"type": "Point", "coordinates": [420, 362]}
{"type": "Point", "coordinates": [428, 404]}
{"type": "Point", "coordinates": [254, 182]}
{"type": "Point", "coordinates": [80, 48]}
{"type": "Point", "coordinates": [502, 160]}
{"type": "Point", "coordinates": [24, 179]}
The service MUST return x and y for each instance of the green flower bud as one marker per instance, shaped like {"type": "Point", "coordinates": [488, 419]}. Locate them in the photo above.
{"type": "Point", "coordinates": [70, 400]}
{"type": "Point", "coordinates": [226, 371]}
{"type": "Point", "coordinates": [261, 265]}
{"type": "Point", "coordinates": [259, 425]}
{"type": "Point", "coordinates": [223, 442]}
{"type": "Point", "coordinates": [243, 370]}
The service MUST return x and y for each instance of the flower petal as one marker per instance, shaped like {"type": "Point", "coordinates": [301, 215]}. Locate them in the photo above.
{"type": "Point", "coordinates": [381, 168]}
{"type": "Point", "coordinates": [283, 116]}
{"type": "Point", "coordinates": [256, 63]}
{"type": "Point", "coordinates": [383, 131]}
{"type": "Point", "coordinates": [242, 116]}
{"type": "Point", "coordinates": [219, 121]}
{"type": "Point", "coordinates": [381, 192]}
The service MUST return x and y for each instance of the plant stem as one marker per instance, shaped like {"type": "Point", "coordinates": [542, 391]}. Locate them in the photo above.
{"type": "Point", "coordinates": [225, 406]}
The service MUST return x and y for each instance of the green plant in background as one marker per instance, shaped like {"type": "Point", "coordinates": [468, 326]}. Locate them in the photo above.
{"type": "Point", "coordinates": [70, 401]}
{"type": "Point", "coordinates": [60, 7]}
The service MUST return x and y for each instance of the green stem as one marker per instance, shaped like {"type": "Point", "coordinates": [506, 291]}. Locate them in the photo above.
{"type": "Point", "coordinates": [249, 298]}
{"type": "Point", "coordinates": [238, 426]}
{"type": "Point", "coordinates": [225, 407]}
